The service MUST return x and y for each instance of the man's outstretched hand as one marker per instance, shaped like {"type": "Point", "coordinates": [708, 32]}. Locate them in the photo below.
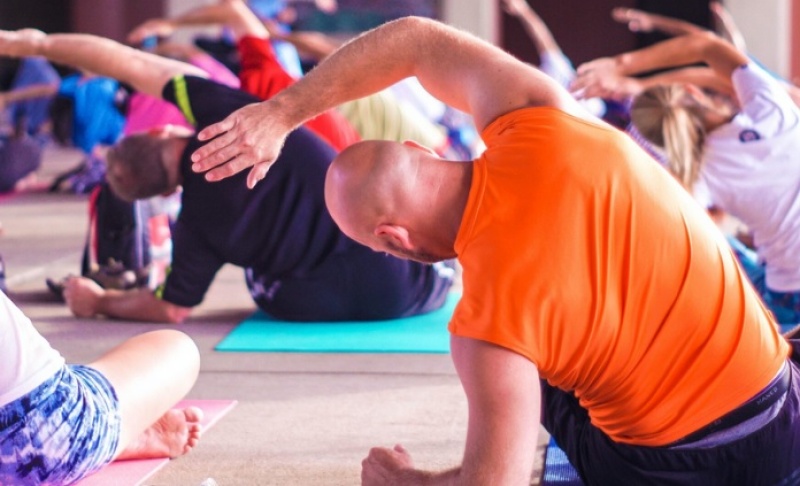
{"type": "Point", "coordinates": [249, 137]}
{"type": "Point", "coordinates": [20, 43]}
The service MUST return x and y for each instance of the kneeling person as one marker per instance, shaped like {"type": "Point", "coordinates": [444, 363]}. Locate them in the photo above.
{"type": "Point", "coordinates": [299, 265]}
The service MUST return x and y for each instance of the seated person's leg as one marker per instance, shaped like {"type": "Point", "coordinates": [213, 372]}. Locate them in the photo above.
{"type": "Point", "coordinates": [150, 373]}
{"type": "Point", "coordinates": [70, 423]}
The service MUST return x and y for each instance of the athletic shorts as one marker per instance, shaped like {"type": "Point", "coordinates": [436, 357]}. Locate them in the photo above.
{"type": "Point", "coordinates": [769, 455]}
{"type": "Point", "coordinates": [65, 429]}
{"type": "Point", "coordinates": [357, 285]}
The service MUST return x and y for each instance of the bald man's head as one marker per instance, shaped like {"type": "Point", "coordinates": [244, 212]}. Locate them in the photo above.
{"type": "Point", "coordinates": [361, 185]}
{"type": "Point", "coordinates": [378, 193]}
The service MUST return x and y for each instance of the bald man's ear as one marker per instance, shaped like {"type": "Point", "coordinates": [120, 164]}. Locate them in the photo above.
{"type": "Point", "coordinates": [396, 235]}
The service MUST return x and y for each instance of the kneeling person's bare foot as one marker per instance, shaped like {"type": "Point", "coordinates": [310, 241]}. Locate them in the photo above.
{"type": "Point", "coordinates": [175, 434]}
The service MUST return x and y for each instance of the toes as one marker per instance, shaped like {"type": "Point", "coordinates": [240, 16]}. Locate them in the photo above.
{"type": "Point", "coordinates": [193, 414]}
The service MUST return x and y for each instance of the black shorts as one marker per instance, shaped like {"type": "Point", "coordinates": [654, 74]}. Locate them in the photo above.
{"type": "Point", "coordinates": [356, 285]}
{"type": "Point", "coordinates": [767, 456]}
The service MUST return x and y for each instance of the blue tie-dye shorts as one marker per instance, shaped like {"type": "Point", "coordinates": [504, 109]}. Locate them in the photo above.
{"type": "Point", "coordinates": [63, 430]}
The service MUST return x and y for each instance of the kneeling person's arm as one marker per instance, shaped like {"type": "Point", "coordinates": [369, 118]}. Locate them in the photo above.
{"type": "Point", "coordinates": [87, 299]}
{"type": "Point", "coordinates": [504, 396]}
{"type": "Point", "coordinates": [147, 73]}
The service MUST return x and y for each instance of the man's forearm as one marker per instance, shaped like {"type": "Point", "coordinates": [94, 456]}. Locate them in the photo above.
{"type": "Point", "coordinates": [444, 478]}
{"type": "Point", "coordinates": [378, 59]}
{"type": "Point", "coordinates": [538, 32]}
{"type": "Point", "coordinates": [673, 26]}
{"type": "Point", "coordinates": [236, 15]}
{"type": "Point", "coordinates": [412, 477]}
{"type": "Point", "coordinates": [146, 72]}
{"type": "Point", "coordinates": [29, 93]}
{"type": "Point", "coordinates": [702, 77]}
{"type": "Point", "coordinates": [455, 67]}
{"type": "Point", "coordinates": [681, 51]}
{"type": "Point", "coordinates": [139, 305]}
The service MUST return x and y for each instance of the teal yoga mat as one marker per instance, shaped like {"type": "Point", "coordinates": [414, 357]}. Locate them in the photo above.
{"type": "Point", "coordinates": [426, 333]}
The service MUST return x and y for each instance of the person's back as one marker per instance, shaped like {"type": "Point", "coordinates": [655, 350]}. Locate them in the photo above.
{"type": "Point", "coordinates": [98, 110]}
{"type": "Point", "coordinates": [584, 264]}
{"type": "Point", "coordinates": [299, 264]}
{"type": "Point", "coordinates": [632, 298]}
{"type": "Point", "coordinates": [752, 169]}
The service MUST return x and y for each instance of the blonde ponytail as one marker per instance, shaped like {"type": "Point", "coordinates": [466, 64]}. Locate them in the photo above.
{"type": "Point", "coordinates": [667, 117]}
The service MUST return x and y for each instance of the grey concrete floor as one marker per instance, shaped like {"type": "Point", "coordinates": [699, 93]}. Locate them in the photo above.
{"type": "Point", "coordinates": [302, 419]}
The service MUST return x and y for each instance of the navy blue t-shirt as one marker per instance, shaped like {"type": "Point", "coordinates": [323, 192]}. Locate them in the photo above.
{"type": "Point", "coordinates": [280, 228]}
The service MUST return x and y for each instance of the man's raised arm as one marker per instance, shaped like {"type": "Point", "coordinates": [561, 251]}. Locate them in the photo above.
{"type": "Point", "coordinates": [455, 67]}
{"type": "Point", "coordinates": [234, 14]}
{"type": "Point", "coordinates": [720, 55]}
{"type": "Point", "coordinates": [146, 72]}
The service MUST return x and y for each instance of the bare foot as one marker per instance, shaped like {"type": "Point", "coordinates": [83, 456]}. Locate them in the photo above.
{"type": "Point", "coordinates": [175, 434]}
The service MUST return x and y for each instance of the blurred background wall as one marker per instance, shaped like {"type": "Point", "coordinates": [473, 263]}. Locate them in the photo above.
{"type": "Point", "coordinates": [582, 27]}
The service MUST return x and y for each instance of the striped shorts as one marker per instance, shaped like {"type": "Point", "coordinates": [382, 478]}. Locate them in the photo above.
{"type": "Point", "coordinates": [65, 429]}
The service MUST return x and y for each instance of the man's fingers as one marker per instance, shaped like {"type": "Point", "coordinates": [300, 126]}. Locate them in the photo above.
{"type": "Point", "coordinates": [226, 170]}
{"type": "Point", "coordinates": [620, 14]}
{"type": "Point", "coordinates": [214, 153]}
{"type": "Point", "coordinates": [238, 164]}
{"type": "Point", "coordinates": [212, 131]}
{"type": "Point", "coordinates": [137, 37]}
{"type": "Point", "coordinates": [578, 85]}
{"type": "Point", "coordinates": [257, 173]}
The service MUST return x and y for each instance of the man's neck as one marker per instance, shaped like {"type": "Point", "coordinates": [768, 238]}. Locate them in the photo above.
{"type": "Point", "coordinates": [460, 197]}
{"type": "Point", "coordinates": [450, 203]}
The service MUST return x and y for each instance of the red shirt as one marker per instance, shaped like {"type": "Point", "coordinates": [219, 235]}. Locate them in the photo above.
{"type": "Point", "coordinates": [261, 75]}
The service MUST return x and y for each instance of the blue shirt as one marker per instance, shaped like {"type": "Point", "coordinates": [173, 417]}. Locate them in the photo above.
{"type": "Point", "coordinates": [98, 112]}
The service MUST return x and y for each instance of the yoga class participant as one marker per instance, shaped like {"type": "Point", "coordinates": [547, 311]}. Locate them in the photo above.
{"type": "Point", "coordinates": [599, 298]}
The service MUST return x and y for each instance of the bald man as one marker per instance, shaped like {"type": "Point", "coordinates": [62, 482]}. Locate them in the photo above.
{"type": "Point", "coordinates": [597, 296]}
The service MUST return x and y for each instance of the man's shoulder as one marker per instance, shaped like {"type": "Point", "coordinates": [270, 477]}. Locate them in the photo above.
{"type": "Point", "coordinates": [204, 101]}
{"type": "Point", "coordinates": [187, 86]}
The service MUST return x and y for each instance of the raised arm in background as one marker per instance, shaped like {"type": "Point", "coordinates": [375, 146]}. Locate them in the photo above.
{"type": "Point", "coordinates": [233, 14]}
{"type": "Point", "coordinates": [146, 72]}
{"type": "Point", "coordinates": [721, 56]}
{"type": "Point", "coordinates": [534, 25]}
{"type": "Point", "coordinates": [641, 21]}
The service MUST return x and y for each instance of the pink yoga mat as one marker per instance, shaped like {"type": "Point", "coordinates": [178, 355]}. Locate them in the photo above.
{"type": "Point", "coordinates": [134, 473]}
